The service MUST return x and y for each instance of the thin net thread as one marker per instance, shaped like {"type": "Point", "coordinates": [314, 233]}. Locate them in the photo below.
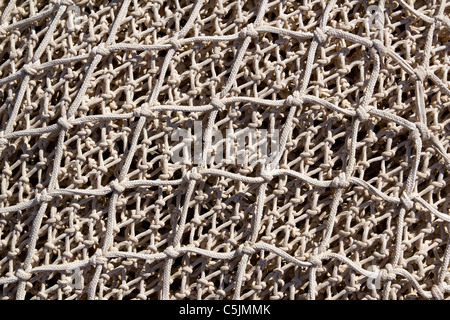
{"type": "Point", "coordinates": [355, 206]}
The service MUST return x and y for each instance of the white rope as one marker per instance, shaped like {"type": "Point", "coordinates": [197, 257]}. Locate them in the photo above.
{"type": "Point", "coordinates": [264, 212]}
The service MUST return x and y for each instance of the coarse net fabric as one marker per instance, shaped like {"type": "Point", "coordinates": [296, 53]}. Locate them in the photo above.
{"type": "Point", "coordinates": [354, 205]}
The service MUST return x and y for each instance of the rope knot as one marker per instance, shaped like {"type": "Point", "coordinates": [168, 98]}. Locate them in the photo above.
{"type": "Point", "coordinates": [340, 181]}
{"type": "Point", "coordinates": [424, 131]}
{"type": "Point", "coordinates": [137, 112]}
{"type": "Point", "coordinates": [406, 200]}
{"type": "Point", "coordinates": [193, 175]}
{"type": "Point", "coordinates": [377, 44]}
{"type": "Point", "coordinates": [320, 35]}
{"type": "Point", "coordinates": [144, 111]}
{"type": "Point", "coordinates": [43, 197]}
{"type": "Point", "coordinates": [250, 31]}
{"type": "Point", "coordinates": [64, 123]}
{"type": "Point", "coordinates": [267, 176]}
{"type": "Point", "coordinates": [362, 113]}
{"type": "Point", "coordinates": [246, 249]}
{"type": "Point", "coordinates": [31, 68]}
{"type": "Point", "coordinates": [116, 186]}
{"type": "Point", "coordinates": [23, 275]}
{"type": "Point", "coordinates": [98, 258]}
{"type": "Point", "coordinates": [176, 44]}
{"type": "Point", "coordinates": [414, 134]}
{"type": "Point", "coordinates": [100, 49]}
{"type": "Point", "coordinates": [315, 261]}
{"type": "Point", "coordinates": [387, 274]}
{"type": "Point", "coordinates": [218, 104]}
{"type": "Point", "coordinates": [293, 100]}
{"type": "Point", "coordinates": [421, 73]}
{"type": "Point", "coordinates": [171, 252]}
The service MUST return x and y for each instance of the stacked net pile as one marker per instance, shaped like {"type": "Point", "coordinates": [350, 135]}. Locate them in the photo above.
{"type": "Point", "coordinates": [354, 204]}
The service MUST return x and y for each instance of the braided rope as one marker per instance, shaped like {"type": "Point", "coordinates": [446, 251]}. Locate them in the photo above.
{"type": "Point", "coordinates": [360, 177]}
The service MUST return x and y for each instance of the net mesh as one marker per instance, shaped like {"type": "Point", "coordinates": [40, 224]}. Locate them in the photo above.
{"type": "Point", "coordinates": [354, 205]}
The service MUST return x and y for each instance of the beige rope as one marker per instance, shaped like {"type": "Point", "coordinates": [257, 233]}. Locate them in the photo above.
{"type": "Point", "coordinates": [88, 109]}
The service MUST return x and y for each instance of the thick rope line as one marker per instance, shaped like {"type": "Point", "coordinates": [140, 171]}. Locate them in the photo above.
{"type": "Point", "coordinates": [147, 113]}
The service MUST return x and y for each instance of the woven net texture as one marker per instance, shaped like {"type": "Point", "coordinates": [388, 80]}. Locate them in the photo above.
{"type": "Point", "coordinates": [354, 204]}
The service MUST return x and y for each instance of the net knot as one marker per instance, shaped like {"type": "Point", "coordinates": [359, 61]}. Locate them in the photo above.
{"type": "Point", "coordinates": [101, 49]}
{"type": "Point", "coordinates": [23, 275]}
{"type": "Point", "coordinates": [377, 44]}
{"type": "Point", "coordinates": [387, 274]}
{"type": "Point", "coordinates": [98, 258]}
{"type": "Point", "coordinates": [267, 176]}
{"type": "Point", "coordinates": [420, 73]}
{"type": "Point", "coordinates": [320, 35]}
{"type": "Point", "coordinates": [218, 104]}
{"type": "Point", "coordinates": [143, 111]}
{"type": "Point", "coordinates": [406, 200]}
{"type": "Point", "coordinates": [43, 197]}
{"type": "Point", "coordinates": [414, 134]}
{"type": "Point", "coordinates": [117, 186]}
{"type": "Point", "coordinates": [176, 44]}
{"type": "Point", "coordinates": [315, 261]}
{"type": "Point", "coordinates": [64, 123]}
{"type": "Point", "coordinates": [362, 113]}
{"type": "Point", "coordinates": [137, 112]}
{"type": "Point", "coordinates": [31, 68]}
{"type": "Point", "coordinates": [250, 31]}
{"type": "Point", "coordinates": [340, 181]}
{"type": "Point", "coordinates": [293, 100]}
{"type": "Point", "coordinates": [193, 175]}
{"type": "Point", "coordinates": [424, 131]}
{"type": "Point", "coordinates": [246, 249]}
{"type": "Point", "coordinates": [171, 252]}
{"type": "Point", "coordinates": [437, 291]}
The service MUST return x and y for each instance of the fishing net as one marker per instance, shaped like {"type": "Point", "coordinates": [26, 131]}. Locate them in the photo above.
{"type": "Point", "coordinates": [351, 100]}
